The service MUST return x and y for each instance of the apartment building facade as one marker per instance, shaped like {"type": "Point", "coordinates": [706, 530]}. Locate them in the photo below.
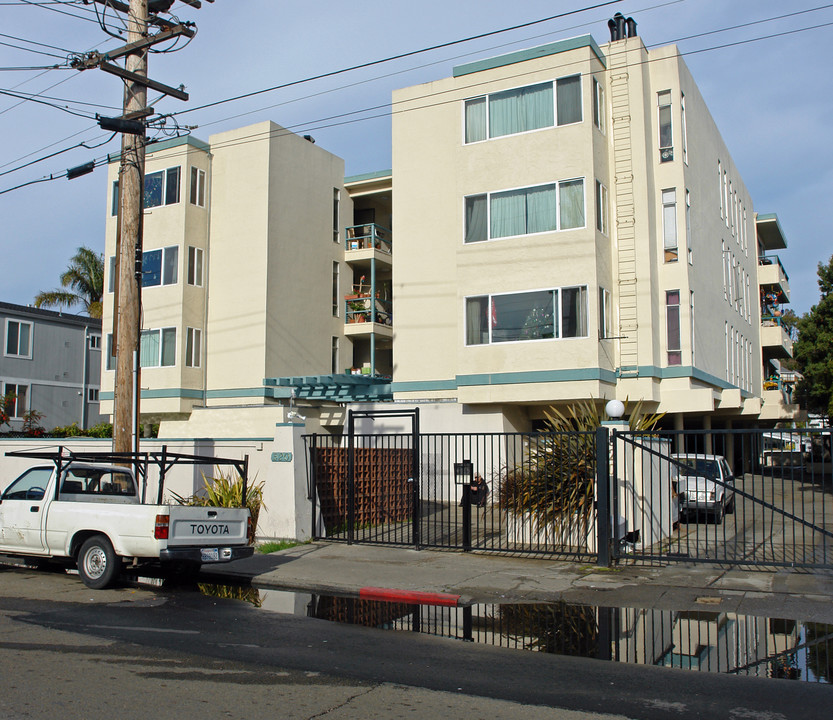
{"type": "Point", "coordinates": [585, 234]}
{"type": "Point", "coordinates": [569, 226]}
{"type": "Point", "coordinates": [51, 364]}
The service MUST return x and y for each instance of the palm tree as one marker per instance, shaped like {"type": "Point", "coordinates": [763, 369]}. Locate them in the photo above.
{"type": "Point", "coordinates": [84, 280]}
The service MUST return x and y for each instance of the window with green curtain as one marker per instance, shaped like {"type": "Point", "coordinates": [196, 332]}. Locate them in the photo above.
{"type": "Point", "coordinates": [524, 211]}
{"type": "Point", "coordinates": [568, 99]}
{"type": "Point", "coordinates": [520, 110]}
{"type": "Point", "coordinates": [477, 328]}
{"type": "Point", "coordinates": [476, 211]}
{"type": "Point", "coordinates": [475, 120]}
{"type": "Point", "coordinates": [168, 358]}
{"type": "Point", "coordinates": [149, 348]}
{"type": "Point", "coordinates": [571, 201]}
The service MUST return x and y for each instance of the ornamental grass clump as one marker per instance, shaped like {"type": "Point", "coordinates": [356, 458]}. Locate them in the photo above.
{"type": "Point", "coordinates": [557, 475]}
{"type": "Point", "coordinates": [225, 489]}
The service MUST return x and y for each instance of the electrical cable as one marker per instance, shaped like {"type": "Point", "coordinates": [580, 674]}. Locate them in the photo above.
{"type": "Point", "coordinates": [392, 111]}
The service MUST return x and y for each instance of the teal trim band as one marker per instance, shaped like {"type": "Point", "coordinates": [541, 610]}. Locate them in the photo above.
{"type": "Point", "coordinates": [167, 144]}
{"type": "Point", "coordinates": [423, 386]}
{"type": "Point", "coordinates": [184, 393]}
{"type": "Point", "coordinates": [531, 54]}
{"type": "Point", "coordinates": [260, 392]}
{"type": "Point", "coordinates": [368, 176]}
{"type": "Point", "coordinates": [539, 376]}
{"type": "Point", "coordinates": [290, 424]}
{"type": "Point", "coordinates": [163, 440]}
{"type": "Point", "coordinates": [679, 371]}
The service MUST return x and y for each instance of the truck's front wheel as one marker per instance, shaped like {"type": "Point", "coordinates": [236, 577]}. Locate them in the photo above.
{"type": "Point", "coordinates": [98, 564]}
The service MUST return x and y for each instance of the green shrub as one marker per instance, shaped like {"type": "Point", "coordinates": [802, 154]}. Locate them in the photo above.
{"type": "Point", "coordinates": [226, 490]}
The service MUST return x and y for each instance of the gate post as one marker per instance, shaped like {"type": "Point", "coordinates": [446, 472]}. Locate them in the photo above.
{"type": "Point", "coordinates": [603, 517]}
{"type": "Point", "coordinates": [351, 478]}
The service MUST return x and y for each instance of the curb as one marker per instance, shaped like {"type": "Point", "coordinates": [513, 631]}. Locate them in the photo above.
{"type": "Point", "coordinates": [412, 597]}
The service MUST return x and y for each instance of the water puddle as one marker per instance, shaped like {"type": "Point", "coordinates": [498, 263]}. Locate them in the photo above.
{"type": "Point", "coordinates": [703, 640]}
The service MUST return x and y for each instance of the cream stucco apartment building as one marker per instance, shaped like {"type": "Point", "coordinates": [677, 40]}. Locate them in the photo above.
{"type": "Point", "coordinates": [569, 225]}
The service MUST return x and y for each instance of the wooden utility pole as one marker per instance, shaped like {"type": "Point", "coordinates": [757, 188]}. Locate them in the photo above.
{"type": "Point", "coordinates": [129, 245]}
{"type": "Point", "coordinates": [127, 311]}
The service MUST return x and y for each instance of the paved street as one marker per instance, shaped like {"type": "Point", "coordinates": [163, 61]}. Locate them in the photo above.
{"type": "Point", "coordinates": [79, 653]}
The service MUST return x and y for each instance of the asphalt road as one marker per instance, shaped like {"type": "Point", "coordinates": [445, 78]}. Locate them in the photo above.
{"type": "Point", "coordinates": [70, 652]}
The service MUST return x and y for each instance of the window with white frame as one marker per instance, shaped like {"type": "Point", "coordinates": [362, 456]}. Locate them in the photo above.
{"type": "Point", "coordinates": [162, 187]}
{"type": "Point", "coordinates": [95, 342]}
{"type": "Point", "coordinates": [672, 327]}
{"type": "Point", "coordinates": [111, 274]}
{"type": "Point", "coordinates": [669, 224]}
{"type": "Point", "coordinates": [683, 129]}
{"type": "Point", "coordinates": [157, 348]}
{"type": "Point", "coordinates": [602, 212]}
{"type": "Point", "coordinates": [15, 399]}
{"type": "Point", "coordinates": [605, 319]}
{"type": "Point", "coordinates": [525, 211]}
{"type": "Point", "coordinates": [336, 293]}
{"type": "Point", "coordinates": [527, 316]}
{"type": "Point", "coordinates": [334, 363]}
{"type": "Point", "coordinates": [691, 322]}
{"type": "Point", "coordinates": [93, 395]}
{"type": "Point", "coordinates": [196, 195]}
{"type": "Point", "coordinates": [336, 213]}
{"type": "Point", "coordinates": [720, 186]}
{"type": "Point", "coordinates": [109, 355]}
{"type": "Point", "coordinates": [688, 239]}
{"type": "Point", "coordinates": [18, 339]}
{"type": "Point", "coordinates": [523, 109]}
{"type": "Point", "coordinates": [159, 267]}
{"type": "Point", "coordinates": [666, 136]}
{"type": "Point", "coordinates": [193, 347]}
{"type": "Point", "coordinates": [195, 258]}
{"type": "Point", "coordinates": [598, 105]}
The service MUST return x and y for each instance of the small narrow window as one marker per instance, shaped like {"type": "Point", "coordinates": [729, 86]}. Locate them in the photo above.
{"type": "Point", "coordinates": [672, 327]}
{"type": "Point", "coordinates": [475, 110]}
{"type": "Point", "coordinates": [669, 224]}
{"type": "Point", "coordinates": [336, 222]}
{"type": "Point", "coordinates": [688, 238]}
{"type": "Point", "coordinates": [334, 363]}
{"type": "Point", "coordinates": [92, 395]}
{"type": "Point", "coordinates": [110, 355]}
{"type": "Point", "coordinates": [598, 105]}
{"type": "Point", "coordinates": [95, 342]}
{"type": "Point", "coordinates": [193, 346]}
{"type": "Point", "coordinates": [336, 294]}
{"type": "Point", "coordinates": [666, 140]}
{"type": "Point", "coordinates": [114, 207]}
{"type": "Point", "coordinates": [196, 194]}
{"type": "Point", "coordinates": [568, 99]}
{"type": "Point", "coordinates": [683, 129]}
{"type": "Point", "coordinates": [605, 321]}
{"type": "Point", "coordinates": [111, 274]}
{"type": "Point", "coordinates": [195, 259]}
{"type": "Point", "coordinates": [601, 208]}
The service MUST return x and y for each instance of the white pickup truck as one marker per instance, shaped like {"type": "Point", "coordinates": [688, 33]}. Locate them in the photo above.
{"type": "Point", "coordinates": [92, 515]}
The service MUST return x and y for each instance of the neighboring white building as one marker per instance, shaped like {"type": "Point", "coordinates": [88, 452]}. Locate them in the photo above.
{"type": "Point", "coordinates": [568, 225]}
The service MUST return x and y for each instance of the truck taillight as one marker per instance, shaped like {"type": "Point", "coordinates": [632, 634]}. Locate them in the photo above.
{"type": "Point", "coordinates": [160, 531]}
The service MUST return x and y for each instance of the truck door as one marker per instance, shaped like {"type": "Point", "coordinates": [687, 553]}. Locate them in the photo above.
{"type": "Point", "coordinates": [22, 511]}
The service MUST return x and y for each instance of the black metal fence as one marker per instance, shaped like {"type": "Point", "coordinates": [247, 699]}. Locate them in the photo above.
{"type": "Point", "coordinates": [733, 496]}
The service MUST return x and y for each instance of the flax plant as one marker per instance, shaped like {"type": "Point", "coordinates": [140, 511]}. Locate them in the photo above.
{"type": "Point", "coordinates": [556, 479]}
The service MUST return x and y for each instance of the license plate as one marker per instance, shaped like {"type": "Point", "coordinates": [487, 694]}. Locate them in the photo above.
{"type": "Point", "coordinates": [209, 554]}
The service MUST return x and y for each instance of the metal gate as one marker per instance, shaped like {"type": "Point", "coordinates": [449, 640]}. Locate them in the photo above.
{"type": "Point", "coordinates": [740, 497]}
{"type": "Point", "coordinates": [732, 496]}
{"type": "Point", "coordinates": [537, 494]}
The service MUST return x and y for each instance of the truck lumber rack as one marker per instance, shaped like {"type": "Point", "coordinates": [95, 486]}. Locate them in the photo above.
{"type": "Point", "coordinates": [140, 462]}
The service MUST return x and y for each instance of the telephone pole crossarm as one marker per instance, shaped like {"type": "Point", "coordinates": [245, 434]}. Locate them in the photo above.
{"type": "Point", "coordinates": [142, 80]}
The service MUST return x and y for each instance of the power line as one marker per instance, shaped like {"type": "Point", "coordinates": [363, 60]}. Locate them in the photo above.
{"type": "Point", "coordinates": [311, 125]}
{"type": "Point", "coordinates": [32, 42]}
{"type": "Point", "coordinates": [400, 56]}
{"type": "Point", "coordinates": [52, 105]}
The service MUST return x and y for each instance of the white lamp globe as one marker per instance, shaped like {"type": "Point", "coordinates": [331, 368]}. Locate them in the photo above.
{"type": "Point", "coordinates": [615, 409]}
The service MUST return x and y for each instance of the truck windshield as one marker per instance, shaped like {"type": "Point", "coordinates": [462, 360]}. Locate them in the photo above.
{"type": "Point", "coordinates": [699, 466]}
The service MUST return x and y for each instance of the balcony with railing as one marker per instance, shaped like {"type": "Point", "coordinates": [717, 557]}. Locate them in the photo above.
{"type": "Point", "coordinates": [776, 338]}
{"type": "Point", "coordinates": [367, 313]}
{"type": "Point", "coordinates": [772, 278]}
{"type": "Point", "coordinates": [368, 240]}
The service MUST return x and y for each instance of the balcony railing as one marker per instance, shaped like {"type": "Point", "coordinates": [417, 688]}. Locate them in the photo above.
{"type": "Point", "coordinates": [773, 260]}
{"type": "Point", "coordinates": [364, 308]}
{"type": "Point", "coordinates": [367, 237]}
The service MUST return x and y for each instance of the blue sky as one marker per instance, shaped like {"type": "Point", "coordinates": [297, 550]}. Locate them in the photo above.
{"type": "Point", "coordinates": [771, 98]}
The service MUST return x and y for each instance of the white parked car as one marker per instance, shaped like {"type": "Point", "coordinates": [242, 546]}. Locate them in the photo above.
{"type": "Point", "coordinates": [706, 485]}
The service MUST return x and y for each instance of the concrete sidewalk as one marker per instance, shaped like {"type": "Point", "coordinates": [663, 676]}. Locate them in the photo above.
{"type": "Point", "coordinates": [341, 569]}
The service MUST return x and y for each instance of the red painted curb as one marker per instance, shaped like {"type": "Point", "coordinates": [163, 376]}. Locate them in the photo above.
{"type": "Point", "coordinates": [413, 597]}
